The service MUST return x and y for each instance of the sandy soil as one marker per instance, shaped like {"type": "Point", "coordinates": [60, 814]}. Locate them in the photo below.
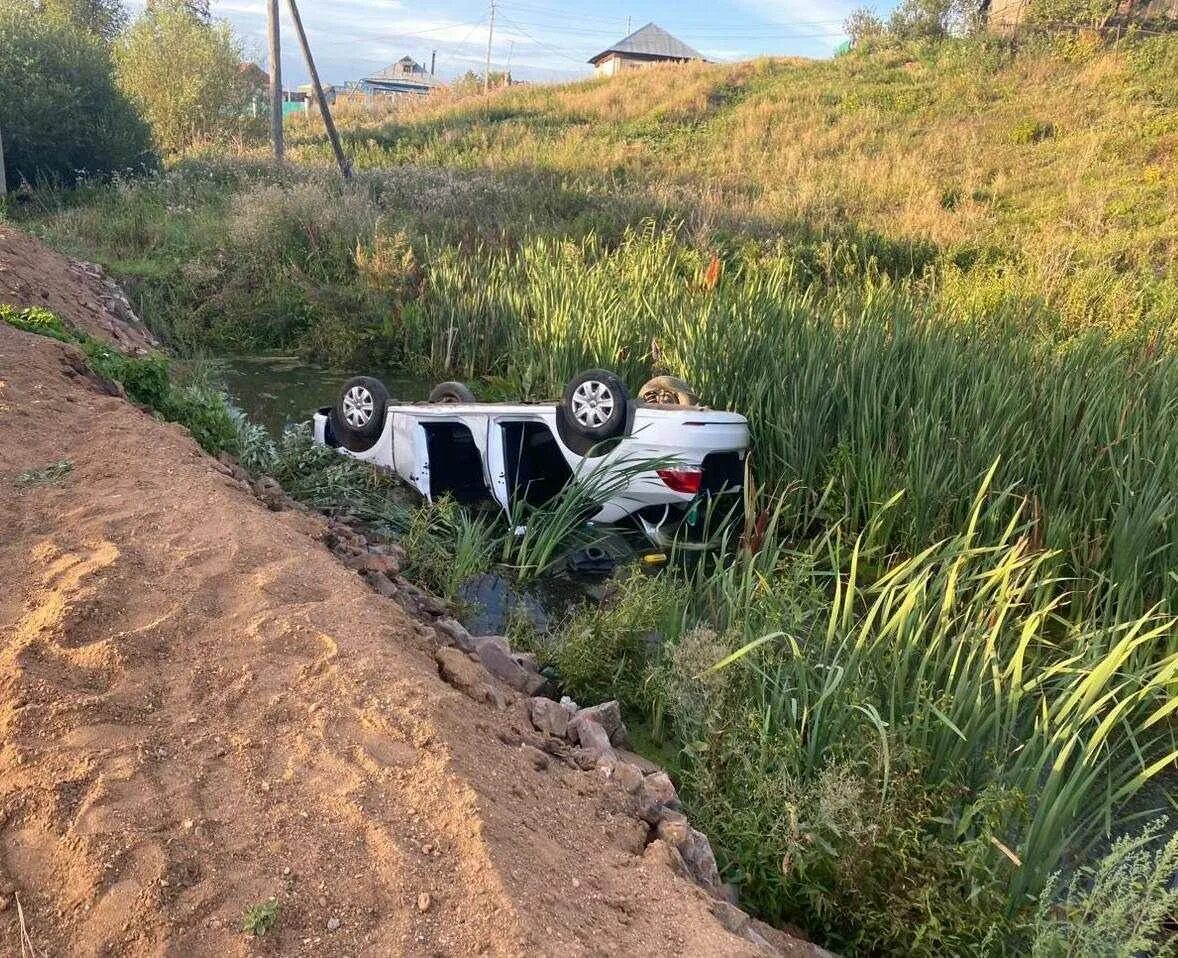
{"type": "Point", "coordinates": [31, 274]}
{"type": "Point", "coordinates": [201, 708]}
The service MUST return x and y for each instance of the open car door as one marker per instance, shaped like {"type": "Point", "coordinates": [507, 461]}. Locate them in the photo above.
{"type": "Point", "coordinates": [411, 452]}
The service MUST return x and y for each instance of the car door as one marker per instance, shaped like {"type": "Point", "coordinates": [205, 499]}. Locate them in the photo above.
{"type": "Point", "coordinates": [411, 452]}
{"type": "Point", "coordinates": [496, 462]}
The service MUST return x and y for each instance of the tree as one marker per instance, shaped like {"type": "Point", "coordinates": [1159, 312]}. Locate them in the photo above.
{"type": "Point", "coordinates": [933, 19]}
{"type": "Point", "coordinates": [862, 24]}
{"type": "Point", "coordinates": [197, 8]}
{"type": "Point", "coordinates": [103, 18]}
{"type": "Point", "coordinates": [61, 112]}
{"type": "Point", "coordinates": [186, 75]}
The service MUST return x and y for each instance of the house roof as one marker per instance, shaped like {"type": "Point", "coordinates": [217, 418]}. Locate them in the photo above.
{"type": "Point", "coordinates": [651, 41]}
{"type": "Point", "coordinates": [405, 74]}
{"type": "Point", "coordinates": [398, 70]}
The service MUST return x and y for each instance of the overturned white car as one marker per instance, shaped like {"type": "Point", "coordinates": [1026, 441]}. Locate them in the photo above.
{"type": "Point", "coordinates": [657, 459]}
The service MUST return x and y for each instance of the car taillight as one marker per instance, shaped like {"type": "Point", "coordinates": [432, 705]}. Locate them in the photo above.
{"type": "Point", "coordinates": [682, 480]}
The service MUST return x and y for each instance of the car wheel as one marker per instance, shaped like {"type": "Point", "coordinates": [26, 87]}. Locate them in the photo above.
{"type": "Point", "coordinates": [595, 403]}
{"type": "Point", "coordinates": [360, 409]}
{"type": "Point", "coordinates": [667, 391]}
{"type": "Point", "coordinates": [451, 392]}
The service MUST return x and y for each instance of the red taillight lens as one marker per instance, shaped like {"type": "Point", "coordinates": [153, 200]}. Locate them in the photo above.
{"type": "Point", "coordinates": [682, 480]}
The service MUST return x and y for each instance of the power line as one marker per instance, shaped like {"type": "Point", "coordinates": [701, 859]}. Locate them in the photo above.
{"type": "Point", "coordinates": [541, 43]}
{"type": "Point", "coordinates": [709, 24]}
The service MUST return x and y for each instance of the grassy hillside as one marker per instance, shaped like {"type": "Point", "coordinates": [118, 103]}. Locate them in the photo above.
{"type": "Point", "coordinates": [1059, 169]}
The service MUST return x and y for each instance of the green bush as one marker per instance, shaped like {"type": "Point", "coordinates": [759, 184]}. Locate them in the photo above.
{"type": "Point", "coordinates": [184, 73]}
{"type": "Point", "coordinates": [60, 112]}
{"type": "Point", "coordinates": [1031, 131]}
{"type": "Point", "coordinates": [34, 319]}
{"type": "Point", "coordinates": [1119, 908]}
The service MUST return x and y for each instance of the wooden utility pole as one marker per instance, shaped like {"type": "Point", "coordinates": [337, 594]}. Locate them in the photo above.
{"type": "Point", "coordinates": [490, 35]}
{"type": "Point", "coordinates": [275, 79]}
{"type": "Point", "coordinates": [344, 166]}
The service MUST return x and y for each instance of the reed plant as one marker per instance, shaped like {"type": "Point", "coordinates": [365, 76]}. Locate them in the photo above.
{"type": "Point", "coordinates": [857, 723]}
{"type": "Point", "coordinates": [856, 391]}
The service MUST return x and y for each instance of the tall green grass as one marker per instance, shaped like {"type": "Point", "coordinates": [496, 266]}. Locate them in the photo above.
{"type": "Point", "coordinates": [895, 751]}
{"type": "Point", "coordinates": [853, 391]}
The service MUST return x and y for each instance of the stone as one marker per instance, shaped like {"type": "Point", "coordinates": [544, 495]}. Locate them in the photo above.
{"type": "Point", "coordinates": [495, 655]}
{"type": "Point", "coordinates": [423, 902]}
{"type": "Point", "coordinates": [608, 715]}
{"type": "Point", "coordinates": [642, 762]}
{"type": "Point", "coordinates": [456, 632]}
{"type": "Point", "coordinates": [731, 917]}
{"type": "Point", "coordinates": [466, 676]}
{"type": "Point", "coordinates": [657, 793]}
{"type": "Point", "coordinates": [333, 923]}
{"type": "Point", "coordinates": [699, 858]}
{"type": "Point", "coordinates": [595, 740]}
{"type": "Point", "coordinates": [628, 776]}
{"type": "Point", "coordinates": [381, 584]}
{"type": "Point", "coordinates": [538, 758]}
{"type": "Point", "coordinates": [527, 661]}
{"type": "Point", "coordinates": [659, 852]}
{"type": "Point", "coordinates": [569, 705]}
{"type": "Point", "coordinates": [548, 717]}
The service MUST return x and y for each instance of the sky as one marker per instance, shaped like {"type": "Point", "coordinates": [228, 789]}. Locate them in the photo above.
{"type": "Point", "coordinates": [539, 40]}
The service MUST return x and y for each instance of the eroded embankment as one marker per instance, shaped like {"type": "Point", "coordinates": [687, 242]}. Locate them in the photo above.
{"type": "Point", "coordinates": [202, 708]}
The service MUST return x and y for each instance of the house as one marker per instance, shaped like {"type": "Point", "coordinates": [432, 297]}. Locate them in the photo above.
{"type": "Point", "coordinates": [650, 44]}
{"type": "Point", "coordinates": [404, 76]}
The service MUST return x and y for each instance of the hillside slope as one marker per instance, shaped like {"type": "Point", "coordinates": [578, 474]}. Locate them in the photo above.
{"type": "Point", "coordinates": [1060, 160]}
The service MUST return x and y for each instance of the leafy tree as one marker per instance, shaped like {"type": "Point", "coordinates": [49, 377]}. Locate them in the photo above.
{"type": "Point", "coordinates": [103, 18]}
{"type": "Point", "coordinates": [198, 8]}
{"type": "Point", "coordinates": [862, 24]}
{"type": "Point", "coordinates": [185, 74]}
{"type": "Point", "coordinates": [933, 19]}
{"type": "Point", "coordinates": [61, 112]}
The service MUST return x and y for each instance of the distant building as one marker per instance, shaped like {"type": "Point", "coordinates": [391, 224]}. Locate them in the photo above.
{"type": "Point", "coordinates": [404, 76]}
{"type": "Point", "coordinates": [307, 92]}
{"type": "Point", "coordinates": [647, 45]}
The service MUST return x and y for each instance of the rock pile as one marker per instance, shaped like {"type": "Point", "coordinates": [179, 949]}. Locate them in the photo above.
{"type": "Point", "coordinates": [591, 739]}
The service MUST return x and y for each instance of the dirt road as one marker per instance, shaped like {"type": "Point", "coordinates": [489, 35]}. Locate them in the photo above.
{"type": "Point", "coordinates": [201, 709]}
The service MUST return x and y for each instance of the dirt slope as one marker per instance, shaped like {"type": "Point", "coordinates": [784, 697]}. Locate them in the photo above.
{"type": "Point", "coordinates": [31, 274]}
{"type": "Point", "coordinates": [200, 708]}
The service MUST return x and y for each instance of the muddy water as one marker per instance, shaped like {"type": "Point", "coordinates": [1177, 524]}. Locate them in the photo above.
{"type": "Point", "coordinates": [279, 390]}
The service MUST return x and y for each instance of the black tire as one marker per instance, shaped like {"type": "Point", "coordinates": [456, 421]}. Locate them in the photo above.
{"type": "Point", "coordinates": [595, 404]}
{"type": "Point", "coordinates": [451, 392]}
{"type": "Point", "coordinates": [667, 391]}
{"type": "Point", "coordinates": [360, 408]}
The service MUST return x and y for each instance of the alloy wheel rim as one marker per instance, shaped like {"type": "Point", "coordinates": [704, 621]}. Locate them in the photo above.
{"type": "Point", "coordinates": [358, 407]}
{"type": "Point", "coordinates": [593, 403]}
